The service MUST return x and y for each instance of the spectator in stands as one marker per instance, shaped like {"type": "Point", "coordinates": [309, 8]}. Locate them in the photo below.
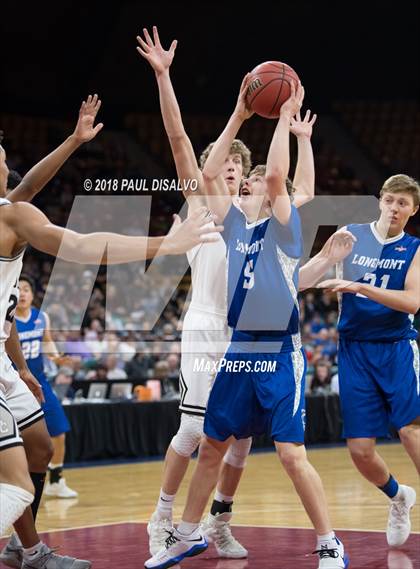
{"type": "Point", "coordinates": [114, 372]}
{"type": "Point", "coordinates": [137, 369]}
{"type": "Point", "coordinates": [161, 372]}
{"type": "Point", "coordinates": [321, 381]}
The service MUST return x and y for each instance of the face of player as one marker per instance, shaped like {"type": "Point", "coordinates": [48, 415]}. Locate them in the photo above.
{"type": "Point", "coordinates": [396, 210]}
{"type": "Point", "coordinates": [26, 296]}
{"type": "Point", "coordinates": [4, 173]}
{"type": "Point", "coordinates": [253, 197]}
{"type": "Point", "coordinates": [232, 173]}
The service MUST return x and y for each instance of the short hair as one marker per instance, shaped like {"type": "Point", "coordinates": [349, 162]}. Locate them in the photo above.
{"type": "Point", "coordinates": [13, 180]}
{"type": "Point", "coordinates": [261, 170]}
{"type": "Point", "coordinates": [237, 147]}
{"type": "Point", "coordinates": [402, 183]}
{"type": "Point", "coordinates": [28, 280]}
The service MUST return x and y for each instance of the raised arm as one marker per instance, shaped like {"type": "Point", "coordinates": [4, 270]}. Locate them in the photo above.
{"type": "Point", "coordinates": [32, 226]}
{"type": "Point", "coordinates": [220, 151]}
{"type": "Point", "coordinates": [407, 300]}
{"type": "Point", "coordinates": [278, 159]}
{"type": "Point", "coordinates": [335, 249]}
{"type": "Point", "coordinates": [38, 176]}
{"type": "Point", "coordinates": [304, 180]}
{"type": "Point", "coordinates": [182, 150]}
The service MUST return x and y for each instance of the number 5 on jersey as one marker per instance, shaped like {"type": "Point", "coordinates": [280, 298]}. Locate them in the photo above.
{"type": "Point", "coordinates": [249, 279]}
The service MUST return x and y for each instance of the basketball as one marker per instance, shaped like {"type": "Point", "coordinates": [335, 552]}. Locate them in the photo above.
{"type": "Point", "coordinates": [269, 87]}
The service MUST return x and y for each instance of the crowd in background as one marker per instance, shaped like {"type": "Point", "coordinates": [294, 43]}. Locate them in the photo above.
{"type": "Point", "coordinates": [122, 343]}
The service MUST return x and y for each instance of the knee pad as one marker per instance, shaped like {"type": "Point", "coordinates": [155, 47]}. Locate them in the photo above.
{"type": "Point", "coordinates": [237, 453]}
{"type": "Point", "coordinates": [13, 502]}
{"type": "Point", "coordinates": [189, 434]}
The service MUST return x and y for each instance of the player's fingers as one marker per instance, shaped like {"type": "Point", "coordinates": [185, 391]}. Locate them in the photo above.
{"type": "Point", "coordinates": [148, 38]}
{"type": "Point", "coordinates": [143, 53]}
{"type": "Point", "coordinates": [98, 127]}
{"type": "Point", "coordinates": [177, 220]}
{"type": "Point", "coordinates": [173, 45]}
{"type": "Point", "coordinates": [143, 44]}
{"type": "Point", "coordinates": [156, 36]}
{"type": "Point", "coordinates": [307, 115]}
{"type": "Point", "coordinates": [312, 121]}
{"type": "Point", "coordinates": [94, 99]}
{"type": "Point", "coordinates": [98, 105]}
{"type": "Point", "coordinates": [89, 99]}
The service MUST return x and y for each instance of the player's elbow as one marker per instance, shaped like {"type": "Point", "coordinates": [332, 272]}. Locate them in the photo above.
{"type": "Point", "coordinates": [275, 177]}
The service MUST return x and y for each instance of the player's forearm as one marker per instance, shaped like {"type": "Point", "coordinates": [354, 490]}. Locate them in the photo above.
{"type": "Point", "coordinates": [14, 349]}
{"type": "Point", "coordinates": [401, 300]}
{"type": "Point", "coordinates": [278, 158]}
{"type": "Point", "coordinates": [304, 180]}
{"type": "Point", "coordinates": [169, 107]}
{"type": "Point", "coordinates": [221, 148]}
{"type": "Point", "coordinates": [314, 270]}
{"type": "Point", "coordinates": [112, 249]}
{"type": "Point", "coordinates": [38, 176]}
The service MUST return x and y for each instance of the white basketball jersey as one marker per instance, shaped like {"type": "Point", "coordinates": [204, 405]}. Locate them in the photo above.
{"type": "Point", "coordinates": [208, 276]}
{"type": "Point", "coordinates": [10, 269]}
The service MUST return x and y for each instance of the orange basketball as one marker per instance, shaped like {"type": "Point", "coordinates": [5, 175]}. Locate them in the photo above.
{"type": "Point", "coordinates": [269, 87]}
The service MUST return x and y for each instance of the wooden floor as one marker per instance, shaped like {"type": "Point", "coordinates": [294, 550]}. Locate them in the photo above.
{"type": "Point", "coordinates": [124, 493]}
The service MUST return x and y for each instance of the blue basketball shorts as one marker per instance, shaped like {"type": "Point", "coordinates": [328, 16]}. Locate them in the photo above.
{"type": "Point", "coordinates": [255, 393]}
{"type": "Point", "coordinates": [56, 419]}
{"type": "Point", "coordinates": [379, 385]}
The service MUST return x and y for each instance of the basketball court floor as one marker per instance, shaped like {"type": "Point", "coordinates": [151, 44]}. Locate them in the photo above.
{"type": "Point", "coordinates": [107, 523]}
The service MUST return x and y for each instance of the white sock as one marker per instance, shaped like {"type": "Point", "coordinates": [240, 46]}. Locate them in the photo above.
{"type": "Point", "coordinates": [327, 539]}
{"type": "Point", "coordinates": [13, 502]}
{"type": "Point", "coordinates": [185, 528]}
{"type": "Point", "coordinates": [165, 505]}
{"type": "Point", "coordinates": [399, 495]}
{"type": "Point", "coordinates": [32, 552]}
{"type": "Point", "coordinates": [222, 497]}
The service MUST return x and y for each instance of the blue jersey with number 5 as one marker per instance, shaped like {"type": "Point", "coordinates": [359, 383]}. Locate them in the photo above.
{"type": "Point", "coordinates": [263, 268]}
{"type": "Point", "coordinates": [31, 334]}
{"type": "Point", "coordinates": [383, 263]}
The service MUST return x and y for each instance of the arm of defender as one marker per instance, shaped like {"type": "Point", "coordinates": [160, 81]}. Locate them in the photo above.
{"type": "Point", "coordinates": [304, 179]}
{"type": "Point", "coordinates": [335, 249]}
{"type": "Point", "coordinates": [182, 150]}
{"type": "Point", "coordinates": [278, 159]}
{"type": "Point", "coordinates": [38, 176]}
{"type": "Point", "coordinates": [407, 300]}
{"type": "Point", "coordinates": [32, 226]}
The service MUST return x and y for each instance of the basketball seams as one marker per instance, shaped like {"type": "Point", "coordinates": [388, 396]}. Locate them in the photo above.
{"type": "Point", "coordinates": [278, 94]}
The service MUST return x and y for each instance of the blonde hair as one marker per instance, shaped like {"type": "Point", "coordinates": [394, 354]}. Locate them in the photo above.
{"type": "Point", "coordinates": [261, 169]}
{"type": "Point", "coordinates": [237, 147]}
{"type": "Point", "coordinates": [402, 183]}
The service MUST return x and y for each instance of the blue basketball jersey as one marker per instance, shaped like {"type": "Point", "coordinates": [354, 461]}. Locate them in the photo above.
{"type": "Point", "coordinates": [263, 267]}
{"type": "Point", "coordinates": [383, 263]}
{"type": "Point", "coordinates": [31, 334]}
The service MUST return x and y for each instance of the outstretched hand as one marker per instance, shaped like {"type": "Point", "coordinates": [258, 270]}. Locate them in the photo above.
{"type": "Point", "coordinates": [339, 285]}
{"type": "Point", "coordinates": [302, 128]}
{"type": "Point", "coordinates": [152, 50]}
{"type": "Point", "coordinates": [85, 130]}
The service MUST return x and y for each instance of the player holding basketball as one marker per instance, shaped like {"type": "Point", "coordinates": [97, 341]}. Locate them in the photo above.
{"type": "Point", "coordinates": [378, 353]}
{"type": "Point", "coordinates": [205, 321]}
{"type": "Point", "coordinates": [264, 248]}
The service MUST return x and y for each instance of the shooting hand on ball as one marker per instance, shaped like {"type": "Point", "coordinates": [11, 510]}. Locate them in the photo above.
{"type": "Point", "coordinates": [242, 109]}
{"type": "Point", "coordinates": [293, 104]}
{"type": "Point", "coordinates": [152, 50]}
